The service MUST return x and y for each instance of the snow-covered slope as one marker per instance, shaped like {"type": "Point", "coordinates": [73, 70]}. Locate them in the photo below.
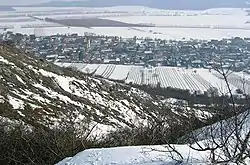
{"type": "Point", "coordinates": [37, 92]}
{"type": "Point", "coordinates": [52, 93]}
{"type": "Point", "coordinates": [164, 155]}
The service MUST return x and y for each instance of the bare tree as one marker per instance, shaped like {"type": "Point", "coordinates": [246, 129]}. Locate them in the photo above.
{"type": "Point", "coordinates": [227, 140]}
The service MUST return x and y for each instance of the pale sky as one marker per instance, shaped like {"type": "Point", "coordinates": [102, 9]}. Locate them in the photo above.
{"type": "Point", "coordinates": [22, 2]}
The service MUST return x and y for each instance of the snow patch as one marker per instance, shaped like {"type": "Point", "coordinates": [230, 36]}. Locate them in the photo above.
{"type": "Point", "coordinates": [20, 79]}
{"type": "Point", "coordinates": [135, 155]}
{"type": "Point", "coordinates": [20, 113]}
{"type": "Point", "coordinates": [2, 100]}
{"type": "Point", "coordinates": [53, 94]}
{"type": "Point", "coordinates": [64, 82]}
{"type": "Point", "coordinates": [46, 73]}
{"type": "Point", "coordinates": [6, 61]}
{"type": "Point", "coordinates": [202, 114]}
{"type": "Point", "coordinates": [34, 106]}
{"type": "Point", "coordinates": [36, 97]}
{"type": "Point", "coordinates": [3, 60]}
{"type": "Point", "coordinates": [16, 103]}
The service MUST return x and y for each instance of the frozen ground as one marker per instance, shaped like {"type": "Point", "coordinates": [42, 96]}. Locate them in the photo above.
{"type": "Point", "coordinates": [172, 24]}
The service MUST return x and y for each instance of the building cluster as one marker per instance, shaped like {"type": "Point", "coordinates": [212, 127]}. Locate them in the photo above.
{"type": "Point", "coordinates": [227, 53]}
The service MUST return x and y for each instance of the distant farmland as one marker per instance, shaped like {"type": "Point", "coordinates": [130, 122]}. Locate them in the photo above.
{"type": "Point", "coordinates": [94, 22]}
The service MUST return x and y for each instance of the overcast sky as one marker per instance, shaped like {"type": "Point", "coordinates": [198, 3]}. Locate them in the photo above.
{"type": "Point", "coordinates": [21, 2]}
{"type": "Point", "coordinates": [18, 2]}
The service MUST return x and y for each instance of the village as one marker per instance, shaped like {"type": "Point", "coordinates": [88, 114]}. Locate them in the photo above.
{"type": "Point", "coordinates": [94, 49]}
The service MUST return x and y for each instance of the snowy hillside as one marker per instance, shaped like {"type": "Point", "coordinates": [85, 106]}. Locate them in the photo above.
{"type": "Point", "coordinates": [53, 94]}
{"type": "Point", "coordinates": [172, 154]}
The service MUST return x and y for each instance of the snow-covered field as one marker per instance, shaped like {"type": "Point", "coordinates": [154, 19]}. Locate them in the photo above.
{"type": "Point", "coordinates": [187, 79]}
{"type": "Point", "coordinates": [163, 33]}
{"type": "Point", "coordinates": [89, 68]}
{"type": "Point", "coordinates": [171, 24]}
{"type": "Point", "coordinates": [120, 72]}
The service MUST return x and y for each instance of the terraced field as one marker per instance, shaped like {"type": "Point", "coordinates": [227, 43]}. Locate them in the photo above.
{"type": "Point", "coordinates": [194, 80]}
